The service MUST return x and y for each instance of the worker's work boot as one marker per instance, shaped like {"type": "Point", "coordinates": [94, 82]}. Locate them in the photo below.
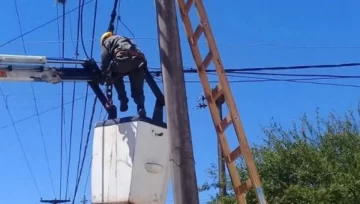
{"type": "Point", "coordinates": [141, 111]}
{"type": "Point", "coordinates": [124, 105]}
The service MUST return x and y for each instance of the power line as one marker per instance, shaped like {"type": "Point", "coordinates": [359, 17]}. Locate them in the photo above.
{"type": "Point", "coordinates": [300, 75]}
{"type": "Point", "coordinates": [36, 105]}
{"type": "Point", "coordinates": [82, 135]}
{"type": "Point", "coordinates": [221, 44]}
{"type": "Point", "coordinates": [79, 29]}
{"type": "Point", "coordinates": [85, 149]}
{"type": "Point", "coordinates": [192, 70]}
{"type": "Point", "coordinates": [87, 90]}
{"type": "Point", "coordinates": [20, 142]}
{"type": "Point", "coordinates": [93, 30]}
{"type": "Point", "coordinates": [62, 101]}
{"type": "Point", "coordinates": [88, 176]}
{"type": "Point", "coordinates": [236, 71]}
{"type": "Point", "coordinates": [79, 171]}
{"type": "Point", "coordinates": [40, 113]}
{"type": "Point", "coordinates": [43, 25]}
{"type": "Point", "coordinates": [62, 116]}
{"type": "Point", "coordinates": [299, 80]}
{"type": "Point", "coordinates": [187, 81]}
{"type": "Point", "coordinates": [119, 19]}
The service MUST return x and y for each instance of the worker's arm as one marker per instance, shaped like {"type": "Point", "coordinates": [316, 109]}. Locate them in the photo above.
{"type": "Point", "coordinates": [105, 57]}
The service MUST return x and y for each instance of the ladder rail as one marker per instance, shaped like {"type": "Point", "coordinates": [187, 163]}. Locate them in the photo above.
{"type": "Point", "coordinates": [229, 99]}
{"type": "Point", "coordinates": [223, 88]}
{"type": "Point", "coordinates": [235, 179]}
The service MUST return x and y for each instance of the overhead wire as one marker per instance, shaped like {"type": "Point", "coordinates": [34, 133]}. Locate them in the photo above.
{"type": "Point", "coordinates": [87, 177]}
{"type": "Point", "coordinates": [119, 19]}
{"type": "Point", "coordinates": [73, 42]}
{"type": "Point", "coordinates": [298, 75]}
{"type": "Point", "coordinates": [80, 20]}
{"type": "Point", "coordinates": [317, 66]}
{"type": "Point", "coordinates": [222, 44]}
{"type": "Point", "coordinates": [42, 112]}
{"type": "Point", "coordinates": [85, 148]}
{"type": "Point", "coordinates": [87, 90]}
{"type": "Point", "coordinates": [81, 28]}
{"type": "Point", "coordinates": [62, 111]}
{"type": "Point", "coordinates": [35, 102]}
{"type": "Point", "coordinates": [78, 33]}
{"type": "Point", "coordinates": [41, 26]}
{"type": "Point", "coordinates": [79, 170]}
{"type": "Point", "coordinates": [255, 80]}
{"type": "Point", "coordinates": [20, 142]}
{"type": "Point", "coordinates": [301, 80]}
{"type": "Point", "coordinates": [243, 73]}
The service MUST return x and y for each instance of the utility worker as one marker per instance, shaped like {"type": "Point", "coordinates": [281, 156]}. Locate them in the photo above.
{"type": "Point", "coordinates": [122, 57]}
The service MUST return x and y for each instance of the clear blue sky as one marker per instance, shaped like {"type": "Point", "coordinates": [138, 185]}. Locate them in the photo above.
{"type": "Point", "coordinates": [249, 34]}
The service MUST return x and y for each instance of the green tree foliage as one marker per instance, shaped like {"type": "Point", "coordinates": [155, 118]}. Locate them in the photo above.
{"type": "Point", "coordinates": [315, 163]}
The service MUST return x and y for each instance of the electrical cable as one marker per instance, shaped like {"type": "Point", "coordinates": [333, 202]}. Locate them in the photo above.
{"type": "Point", "coordinates": [62, 101]}
{"type": "Point", "coordinates": [82, 135]}
{"type": "Point", "coordinates": [62, 111]}
{"type": "Point", "coordinates": [118, 18]}
{"type": "Point", "coordinates": [42, 25]}
{"type": "Point", "coordinates": [81, 28]}
{"type": "Point", "coordinates": [320, 66]}
{"type": "Point", "coordinates": [93, 30]}
{"type": "Point", "coordinates": [80, 5]}
{"type": "Point", "coordinates": [86, 146]}
{"type": "Point", "coordinates": [35, 101]}
{"type": "Point", "coordinates": [301, 80]}
{"type": "Point", "coordinates": [42, 112]}
{"type": "Point", "coordinates": [111, 27]}
{"type": "Point", "coordinates": [122, 22]}
{"type": "Point", "coordinates": [79, 171]}
{"type": "Point", "coordinates": [87, 88]}
{"type": "Point", "coordinates": [85, 105]}
{"type": "Point", "coordinates": [299, 75]}
{"type": "Point", "coordinates": [20, 142]}
{"type": "Point", "coordinates": [87, 177]}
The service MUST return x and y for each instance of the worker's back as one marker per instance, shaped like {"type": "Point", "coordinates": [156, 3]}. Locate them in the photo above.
{"type": "Point", "coordinates": [119, 42]}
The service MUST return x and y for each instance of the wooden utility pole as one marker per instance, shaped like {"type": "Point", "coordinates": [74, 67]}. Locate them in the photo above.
{"type": "Point", "coordinates": [221, 163]}
{"type": "Point", "coordinates": [182, 156]}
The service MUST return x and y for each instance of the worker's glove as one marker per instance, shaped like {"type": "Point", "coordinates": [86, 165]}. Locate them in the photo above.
{"type": "Point", "coordinates": [102, 77]}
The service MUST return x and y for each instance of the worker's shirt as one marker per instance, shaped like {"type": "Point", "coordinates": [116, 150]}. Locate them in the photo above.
{"type": "Point", "coordinates": [111, 44]}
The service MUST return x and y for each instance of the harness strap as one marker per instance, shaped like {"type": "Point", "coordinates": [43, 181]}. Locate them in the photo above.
{"type": "Point", "coordinates": [129, 53]}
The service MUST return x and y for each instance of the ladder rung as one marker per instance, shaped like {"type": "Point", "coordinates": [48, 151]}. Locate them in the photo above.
{"type": "Point", "coordinates": [187, 6]}
{"type": "Point", "coordinates": [224, 124]}
{"type": "Point", "coordinates": [205, 64]}
{"type": "Point", "coordinates": [244, 187]}
{"type": "Point", "coordinates": [198, 31]}
{"type": "Point", "coordinates": [217, 92]}
{"type": "Point", "coordinates": [233, 155]}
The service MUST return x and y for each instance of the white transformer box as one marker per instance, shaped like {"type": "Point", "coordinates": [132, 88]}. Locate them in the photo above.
{"type": "Point", "coordinates": [130, 162]}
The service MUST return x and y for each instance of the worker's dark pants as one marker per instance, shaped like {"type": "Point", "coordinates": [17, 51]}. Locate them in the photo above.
{"type": "Point", "coordinates": [134, 68]}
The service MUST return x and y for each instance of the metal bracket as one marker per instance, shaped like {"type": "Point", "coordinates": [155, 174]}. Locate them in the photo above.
{"type": "Point", "coordinates": [158, 114]}
{"type": "Point", "coordinates": [93, 69]}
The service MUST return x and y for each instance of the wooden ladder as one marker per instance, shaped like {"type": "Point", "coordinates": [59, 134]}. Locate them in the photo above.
{"type": "Point", "coordinates": [211, 95]}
